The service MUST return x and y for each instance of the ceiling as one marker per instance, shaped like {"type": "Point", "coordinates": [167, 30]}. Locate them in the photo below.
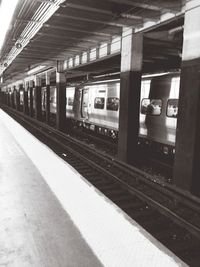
{"type": "Point", "coordinates": [74, 26]}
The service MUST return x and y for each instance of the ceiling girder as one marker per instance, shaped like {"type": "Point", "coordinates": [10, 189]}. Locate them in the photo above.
{"type": "Point", "coordinates": [70, 29]}
{"type": "Point", "coordinates": [155, 5]}
{"type": "Point", "coordinates": [121, 22]}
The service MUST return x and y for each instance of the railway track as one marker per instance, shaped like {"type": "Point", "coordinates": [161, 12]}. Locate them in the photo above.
{"type": "Point", "coordinates": [153, 164]}
{"type": "Point", "coordinates": [98, 142]}
{"type": "Point", "coordinates": [169, 214]}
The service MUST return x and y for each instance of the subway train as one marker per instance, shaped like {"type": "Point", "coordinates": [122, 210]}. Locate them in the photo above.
{"type": "Point", "coordinates": [95, 106]}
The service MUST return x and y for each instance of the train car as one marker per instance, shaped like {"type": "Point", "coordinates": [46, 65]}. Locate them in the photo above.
{"type": "Point", "coordinates": [158, 112]}
{"type": "Point", "coordinates": [99, 109]}
{"type": "Point", "coordinates": [95, 106]}
{"type": "Point", "coordinates": [70, 91]}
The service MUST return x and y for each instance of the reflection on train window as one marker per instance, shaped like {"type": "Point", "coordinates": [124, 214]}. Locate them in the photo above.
{"type": "Point", "coordinates": [172, 108]}
{"type": "Point", "coordinates": [99, 103]}
{"type": "Point", "coordinates": [70, 101]}
{"type": "Point", "coordinates": [113, 103]}
{"type": "Point", "coordinates": [151, 106]}
{"type": "Point", "coordinates": [52, 99]}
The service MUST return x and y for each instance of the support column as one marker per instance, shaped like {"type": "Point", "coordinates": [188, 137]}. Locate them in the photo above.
{"type": "Point", "coordinates": [130, 84]}
{"type": "Point", "coordinates": [61, 101]}
{"type": "Point", "coordinates": [30, 97]}
{"type": "Point", "coordinates": [25, 95]}
{"type": "Point", "coordinates": [38, 99]}
{"type": "Point", "coordinates": [187, 158]}
{"type": "Point", "coordinates": [48, 97]}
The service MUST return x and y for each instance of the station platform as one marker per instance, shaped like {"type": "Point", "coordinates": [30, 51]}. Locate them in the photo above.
{"type": "Point", "coordinates": [51, 216]}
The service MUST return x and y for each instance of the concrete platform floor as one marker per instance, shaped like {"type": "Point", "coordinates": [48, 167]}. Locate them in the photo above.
{"type": "Point", "coordinates": [34, 228]}
{"type": "Point", "coordinates": [51, 216]}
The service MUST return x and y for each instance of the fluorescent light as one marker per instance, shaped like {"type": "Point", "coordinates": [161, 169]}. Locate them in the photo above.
{"type": "Point", "coordinates": [155, 75]}
{"type": "Point", "coordinates": [7, 9]}
{"type": "Point", "coordinates": [36, 69]}
{"type": "Point", "coordinates": [104, 81]}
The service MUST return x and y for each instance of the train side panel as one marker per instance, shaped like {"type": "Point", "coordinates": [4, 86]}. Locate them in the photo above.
{"type": "Point", "coordinates": [155, 125]}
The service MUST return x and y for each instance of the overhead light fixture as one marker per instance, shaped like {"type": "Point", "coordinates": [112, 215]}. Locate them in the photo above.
{"type": "Point", "coordinates": [155, 74]}
{"type": "Point", "coordinates": [44, 11]}
{"type": "Point", "coordinates": [7, 9]}
{"type": "Point", "coordinates": [36, 69]}
{"type": "Point", "coordinates": [18, 45]}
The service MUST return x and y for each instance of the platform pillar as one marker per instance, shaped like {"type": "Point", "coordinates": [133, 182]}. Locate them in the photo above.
{"type": "Point", "coordinates": [61, 101]}
{"type": "Point", "coordinates": [48, 97]}
{"type": "Point", "coordinates": [38, 99]}
{"type": "Point", "coordinates": [25, 98]}
{"type": "Point", "coordinates": [131, 72]}
{"type": "Point", "coordinates": [187, 158]}
{"type": "Point", "coordinates": [30, 98]}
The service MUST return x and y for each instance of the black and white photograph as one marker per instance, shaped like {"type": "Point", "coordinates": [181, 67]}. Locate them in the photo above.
{"type": "Point", "coordinates": [100, 133]}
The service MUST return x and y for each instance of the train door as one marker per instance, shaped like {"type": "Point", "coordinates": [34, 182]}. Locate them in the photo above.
{"type": "Point", "coordinates": [84, 105]}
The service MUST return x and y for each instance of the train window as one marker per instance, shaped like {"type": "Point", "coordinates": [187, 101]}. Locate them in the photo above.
{"type": "Point", "coordinates": [151, 106]}
{"type": "Point", "coordinates": [112, 103]}
{"type": "Point", "coordinates": [172, 108]}
{"type": "Point", "coordinates": [70, 101]}
{"type": "Point", "coordinates": [99, 103]}
{"type": "Point", "coordinates": [52, 99]}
